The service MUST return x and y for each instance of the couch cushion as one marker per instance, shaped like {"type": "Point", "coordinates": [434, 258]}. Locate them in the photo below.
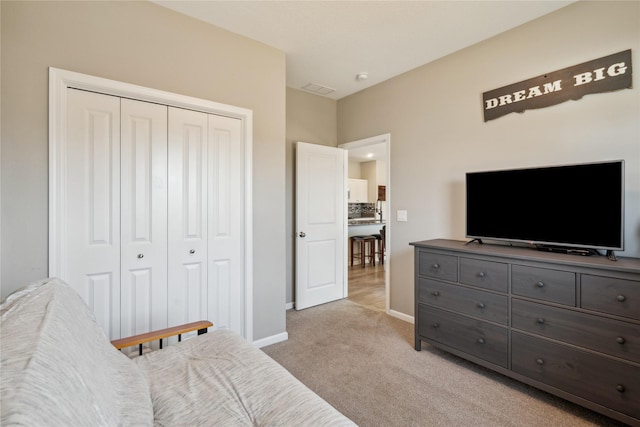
{"type": "Point", "coordinates": [58, 366]}
{"type": "Point", "coordinates": [220, 379]}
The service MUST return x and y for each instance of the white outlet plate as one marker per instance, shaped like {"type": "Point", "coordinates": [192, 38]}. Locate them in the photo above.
{"type": "Point", "coordinates": [401, 216]}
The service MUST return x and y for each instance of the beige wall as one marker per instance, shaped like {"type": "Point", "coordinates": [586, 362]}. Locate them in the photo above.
{"type": "Point", "coordinates": [313, 119]}
{"type": "Point", "coordinates": [434, 116]}
{"type": "Point", "coordinates": [143, 44]}
{"type": "Point", "coordinates": [354, 170]}
{"type": "Point", "coordinates": [370, 173]}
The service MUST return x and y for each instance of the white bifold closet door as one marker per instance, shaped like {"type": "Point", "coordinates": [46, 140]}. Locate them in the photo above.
{"type": "Point", "coordinates": [187, 215]}
{"type": "Point", "coordinates": [153, 220]}
{"type": "Point", "coordinates": [205, 230]}
{"type": "Point", "coordinates": [91, 225]}
{"type": "Point", "coordinates": [143, 217]}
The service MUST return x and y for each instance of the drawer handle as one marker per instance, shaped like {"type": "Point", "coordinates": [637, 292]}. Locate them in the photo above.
{"type": "Point", "coordinates": [540, 361]}
{"type": "Point", "coordinates": [436, 266]}
{"type": "Point", "coordinates": [140, 256]}
{"type": "Point", "coordinates": [480, 305]}
{"type": "Point", "coordinates": [540, 284]}
{"type": "Point", "coordinates": [436, 325]}
{"type": "Point", "coordinates": [621, 298]}
{"type": "Point", "coordinates": [481, 274]}
{"type": "Point", "coordinates": [480, 340]}
{"type": "Point", "coordinates": [540, 320]}
{"type": "Point", "coordinates": [621, 340]}
{"type": "Point", "coordinates": [620, 388]}
{"type": "Point", "coordinates": [435, 293]}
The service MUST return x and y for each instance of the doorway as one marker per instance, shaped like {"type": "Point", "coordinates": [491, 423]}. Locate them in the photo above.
{"type": "Point", "coordinates": [369, 286]}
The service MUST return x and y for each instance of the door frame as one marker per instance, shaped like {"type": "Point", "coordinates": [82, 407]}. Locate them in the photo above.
{"type": "Point", "coordinates": [386, 139]}
{"type": "Point", "coordinates": [61, 80]}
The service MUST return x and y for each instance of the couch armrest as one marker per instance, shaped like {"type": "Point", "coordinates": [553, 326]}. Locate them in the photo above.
{"type": "Point", "coordinates": [201, 326]}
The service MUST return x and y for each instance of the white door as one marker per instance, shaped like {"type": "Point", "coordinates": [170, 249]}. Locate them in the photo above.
{"type": "Point", "coordinates": [226, 266]}
{"type": "Point", "coordinates": [144, 217]}
{"type": "Point", "coordinates": [187, 216]}
{"type": "Point", "coordinates": [321, 228]}
{"type": "Point", "coordinates": [91, 198]}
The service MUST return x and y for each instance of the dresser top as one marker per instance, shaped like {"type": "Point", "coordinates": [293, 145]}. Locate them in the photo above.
{"type": "Point", "coordinates": [630, 265]}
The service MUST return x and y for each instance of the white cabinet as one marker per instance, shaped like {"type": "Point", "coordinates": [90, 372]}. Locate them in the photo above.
{"type": "Point", "coordinates": [151, 214]}
{"type": "Point", "coordinates": [358, 189]}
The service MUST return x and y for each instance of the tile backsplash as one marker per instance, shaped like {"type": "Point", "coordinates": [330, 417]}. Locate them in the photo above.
{"type": "Point", "coordinates": [362, 210]}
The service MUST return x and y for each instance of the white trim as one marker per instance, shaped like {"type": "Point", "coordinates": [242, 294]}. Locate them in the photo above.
{"type": "Point", "coordinates": [273, 339]}
{"type": "Point", "coordinates": [288, 306]}
{"type": "Point", "coordinates": [402, 316]}
{"type": "Point", "coordinates": [379, 139]}
{"type": "Point", "coordinates": [247, 127]}
{"type": "Point", "coordinates": [372, 140]}
{"type": "Point", "coordinates": [345, 222]}
{"type": "Point", "coordinates": [59, 82]}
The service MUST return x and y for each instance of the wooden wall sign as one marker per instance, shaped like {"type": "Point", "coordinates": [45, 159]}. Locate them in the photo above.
{"type": "Point", "coordinates": [604, 74]}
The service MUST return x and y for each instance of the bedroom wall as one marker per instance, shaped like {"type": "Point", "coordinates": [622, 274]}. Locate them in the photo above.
{"type": "Point", "coordinates": [144, 44]}
{"type": "Point", "coordinates": [313, 119]}
{"type": "Point", "coordinates": [434, 116]}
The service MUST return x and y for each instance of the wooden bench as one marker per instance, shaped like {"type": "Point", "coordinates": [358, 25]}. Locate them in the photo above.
{"type": "Point", "coordinates": [200, 326]}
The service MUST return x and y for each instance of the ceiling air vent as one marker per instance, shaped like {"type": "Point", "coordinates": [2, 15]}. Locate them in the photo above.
{"type": "Point", "coordinates": [319, 89]}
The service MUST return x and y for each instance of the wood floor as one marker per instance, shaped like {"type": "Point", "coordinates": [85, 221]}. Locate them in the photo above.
{"type": "Point", "coordinates": [366, 286]}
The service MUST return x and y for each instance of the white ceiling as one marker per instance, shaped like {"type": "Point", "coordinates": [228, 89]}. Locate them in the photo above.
{"type": "Point", "coordinates": [328, 42]}
{"type": "Point", "coordinates": [368, 153]}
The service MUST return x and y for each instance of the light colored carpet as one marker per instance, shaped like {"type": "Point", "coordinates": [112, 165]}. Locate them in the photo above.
{"type": "Point", "coordinates": [363, 363]}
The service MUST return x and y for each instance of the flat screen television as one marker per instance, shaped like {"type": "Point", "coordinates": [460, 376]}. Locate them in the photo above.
{"type": "Point", "coordinates": [568, 206]}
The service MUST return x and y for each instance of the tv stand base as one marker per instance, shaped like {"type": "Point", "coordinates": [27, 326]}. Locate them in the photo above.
{"type": "Point", "coordinates": [570, 251]}
{"type": "Point", "coordinates": [474, 240]}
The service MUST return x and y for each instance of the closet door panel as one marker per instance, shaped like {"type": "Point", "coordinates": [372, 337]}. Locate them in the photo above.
{"type": "Point", "coordinates": [144, 217]}
{"type": "Point", "coordinates": [100, 292]}
{"type": "Point", "coordinates": [92, 204]}
{"type": "Point", "coordinates": [226, 227]}
{"type": "Point", "coordinates": [187, 230]}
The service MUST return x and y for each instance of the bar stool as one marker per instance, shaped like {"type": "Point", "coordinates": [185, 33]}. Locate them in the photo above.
{"type": "Point", "coordinates": [383, 243]}
{"type": "Point", "coordinates": [362, 242]}
{"type": "Point", "coordinates": [380, 241]}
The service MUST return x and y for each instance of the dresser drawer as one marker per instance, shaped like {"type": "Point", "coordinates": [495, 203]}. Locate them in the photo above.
{"type": "Point", "coordinates": [483, 340]}
{"type": "Point", "coordinates": [484, 274]}
{"type": "Point", "coordinates": [611, 295]}
{"type": "Point", "coordinates": [440, 266]}
{"type": "Point", "coordinates": [614, 337]}
{"type": "Point", "coordinates": [544, 284]}
{"type": "Point", "coordinates": [608, 382]}
{"type": "Point", "coordinates": [485, 305]}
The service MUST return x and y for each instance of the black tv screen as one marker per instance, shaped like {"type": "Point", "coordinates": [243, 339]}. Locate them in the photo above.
{"type": "Point", "coordinates": [578, 205]}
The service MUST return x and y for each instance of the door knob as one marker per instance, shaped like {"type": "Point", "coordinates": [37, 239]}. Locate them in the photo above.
{"type": "Point", "coordinates": [302, 234]}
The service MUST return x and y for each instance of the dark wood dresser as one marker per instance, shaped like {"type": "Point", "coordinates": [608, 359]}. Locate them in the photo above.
{"type": "Point", "coordinates": [567, 324]}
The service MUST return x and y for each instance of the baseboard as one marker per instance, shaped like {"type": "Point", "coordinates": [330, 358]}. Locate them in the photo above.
{"type": "Point", "coordinates": [288, 306]}
{"type": "Point", "coordinates": [402, 316]}
{"type": "Point", "coordinates": [273, 339]}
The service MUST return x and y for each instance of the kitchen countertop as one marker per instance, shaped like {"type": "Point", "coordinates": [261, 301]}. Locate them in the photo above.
{"type": "Point", "coordinates": [357, 222]}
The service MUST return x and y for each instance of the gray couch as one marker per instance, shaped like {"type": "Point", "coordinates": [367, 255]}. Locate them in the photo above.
{"type": "Point", "coordinates": [59, 368]}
